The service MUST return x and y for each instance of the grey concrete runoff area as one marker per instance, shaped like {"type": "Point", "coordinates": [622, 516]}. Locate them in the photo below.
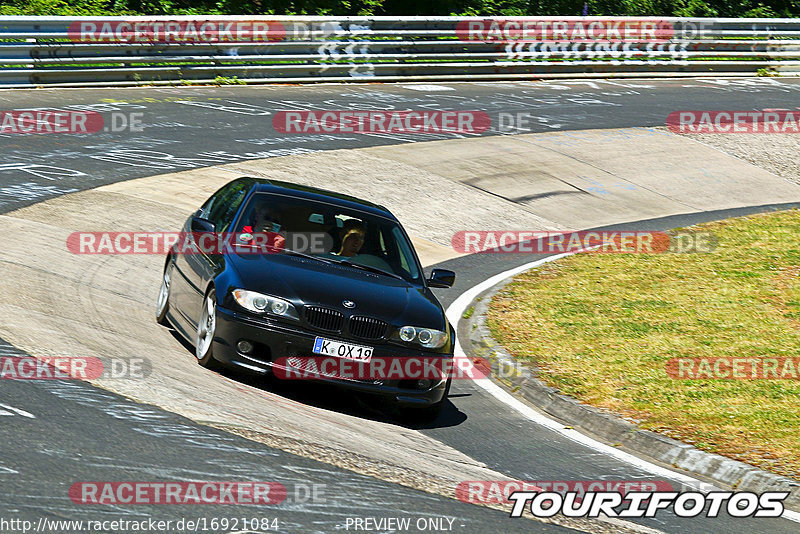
{"type": "Point", "coordinates": [606, 162]}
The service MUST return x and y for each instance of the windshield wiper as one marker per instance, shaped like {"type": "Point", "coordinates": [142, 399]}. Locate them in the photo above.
{"type": "Point", "coordinates": [331, 261]}
{"type": "Point", "coordinates": [369, 268]}
{"type": "Point", "coordinates": [304, 255]}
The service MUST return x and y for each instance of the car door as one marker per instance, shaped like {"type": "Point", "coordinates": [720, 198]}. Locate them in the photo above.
{"type": "Point", "coordinates": [198, 269]}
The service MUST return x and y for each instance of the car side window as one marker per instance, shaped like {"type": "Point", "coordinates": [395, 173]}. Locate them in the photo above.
{"type": "Point", "coordinates": [223, 207]}
{"type": "Point", "coordinates": [405, 254]}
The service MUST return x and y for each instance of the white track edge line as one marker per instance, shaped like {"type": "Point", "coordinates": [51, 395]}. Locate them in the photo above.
{"type": "Point", "coordinates": [454, 313]}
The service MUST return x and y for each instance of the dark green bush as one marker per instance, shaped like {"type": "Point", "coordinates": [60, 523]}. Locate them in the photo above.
{"type": "Point", "coordinates": [683, 8]}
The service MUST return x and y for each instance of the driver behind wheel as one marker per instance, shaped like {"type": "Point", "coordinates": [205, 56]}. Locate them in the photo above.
{"type": "Point", "coordinates": [265, 229]}
{"type": "Point", "coordinates": [353, 234]}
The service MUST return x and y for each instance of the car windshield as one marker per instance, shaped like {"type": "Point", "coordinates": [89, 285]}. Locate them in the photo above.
{"type": "Point", "coordinates": [331, 233]}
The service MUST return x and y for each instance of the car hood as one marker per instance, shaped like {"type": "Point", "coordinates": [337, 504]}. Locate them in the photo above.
{"type": "Point", "coordinates": [311, 282]}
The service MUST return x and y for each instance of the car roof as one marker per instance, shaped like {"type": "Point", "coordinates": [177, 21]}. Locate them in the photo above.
{"type": "Point", "coordinates": [265, 185]}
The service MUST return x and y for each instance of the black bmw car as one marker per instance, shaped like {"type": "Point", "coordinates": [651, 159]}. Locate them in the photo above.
{"type": "Point", "coordinates": [308, 274]}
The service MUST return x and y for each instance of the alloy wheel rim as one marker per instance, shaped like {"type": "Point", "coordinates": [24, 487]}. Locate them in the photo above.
{"type": "Point", "coordinates": [163, 294]}
{"type": "Point", "coordinates": [206, 328]}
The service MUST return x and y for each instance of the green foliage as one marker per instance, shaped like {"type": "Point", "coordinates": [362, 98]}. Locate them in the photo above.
{"type": "Point", "coordinates": [761, 11]}
{"type": "Point", "coordinates": [696, 8]}
{"type": "Point", "coordinates": [300, 7]}
{"type": "Point", "coordinates": [224, 80]}
{"type": "Point", "coordinates": [63, 7]}
{"type": "Point", "coordinates": [651, 8]}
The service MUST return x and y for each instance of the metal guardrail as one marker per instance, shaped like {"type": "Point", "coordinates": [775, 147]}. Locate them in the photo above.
{"type": "Point", "coordinates": [42, 51]}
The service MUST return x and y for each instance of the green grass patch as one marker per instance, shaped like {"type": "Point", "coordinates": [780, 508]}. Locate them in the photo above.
{"type": "Point", "coordinates": [224, 80]}
{"type": "Point", "coordinates": [601, 327]}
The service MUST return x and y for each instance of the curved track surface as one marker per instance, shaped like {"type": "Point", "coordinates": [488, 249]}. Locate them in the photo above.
{"type": "Point", "coordinates": [198, 127]}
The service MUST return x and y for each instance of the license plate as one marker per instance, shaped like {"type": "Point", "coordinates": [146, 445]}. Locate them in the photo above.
{"type": "Point", "coordinates": [348, 351]}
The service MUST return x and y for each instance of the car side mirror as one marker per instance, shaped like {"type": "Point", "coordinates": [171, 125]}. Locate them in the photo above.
{"type": "Point", "coordinates": [202, 225]}
{"type": "Point", "coordinates": [442, 278]}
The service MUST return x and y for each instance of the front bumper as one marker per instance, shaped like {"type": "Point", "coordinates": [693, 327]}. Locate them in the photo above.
{"type": "Point", "coordinates": [275, 340]}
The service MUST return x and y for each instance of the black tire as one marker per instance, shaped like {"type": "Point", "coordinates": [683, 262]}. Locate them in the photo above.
{"type": "Point", "coordinates": [206, 329]}
{"type": "Point", "coordinates": [432, 412]}
{"type": "Point", "coordinates": [162, 306]}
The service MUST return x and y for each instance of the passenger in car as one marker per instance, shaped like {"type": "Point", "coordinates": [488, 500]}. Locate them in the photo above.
{"type": "Point", "coordinates": [353, 234]}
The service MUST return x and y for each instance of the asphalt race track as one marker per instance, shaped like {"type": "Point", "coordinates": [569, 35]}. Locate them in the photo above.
{"type": "Point", "coordinates": [57, 433]}
{"type": "Point", "coordinates": [196, 127]}
{"type": "Point", "coordinates": [134, 442]}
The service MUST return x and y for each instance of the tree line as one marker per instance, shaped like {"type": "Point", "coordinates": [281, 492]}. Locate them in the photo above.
{"type": "Point", "coordinates": [650, 8]}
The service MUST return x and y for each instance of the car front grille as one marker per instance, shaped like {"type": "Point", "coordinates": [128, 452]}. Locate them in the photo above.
{"type": "Point", "coordinates": [324, 318]}
{"type": "Point", "coordinates": [367, 327]}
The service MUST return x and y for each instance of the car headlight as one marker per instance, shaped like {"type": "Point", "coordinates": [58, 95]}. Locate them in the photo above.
{"type": "Point", "coordinates": [427, 337]}
{"type": "Point", "coordinates": [408, 333]}
{"type": "Point", "coordinates": [258, 303]}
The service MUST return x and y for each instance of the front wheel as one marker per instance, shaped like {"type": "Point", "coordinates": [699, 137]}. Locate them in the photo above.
{"type": "Point", "coordinates": [162, 306]}
{"type": "Point", "coordinates": [432, 412]}
{"type": "Point", "coordinates": [206, 329]}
